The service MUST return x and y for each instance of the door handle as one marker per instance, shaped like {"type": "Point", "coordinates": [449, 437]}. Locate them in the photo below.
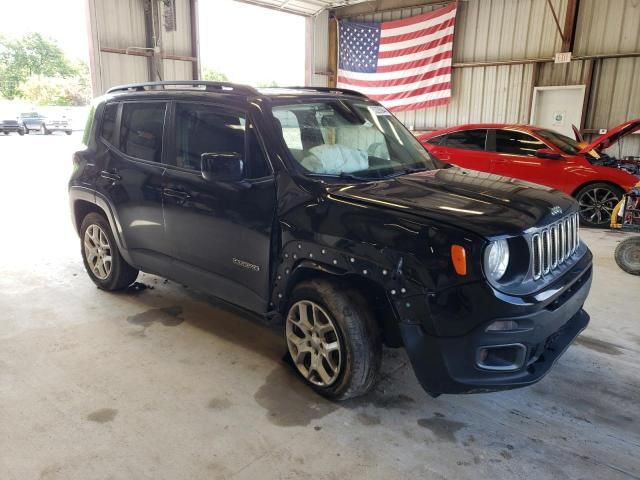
{"type": "Point", "coordinates": [114, 177]}
{"type": "Point", "coordinates": [180, 195]}
{"type": "Point", "coordinates": [499, 160]}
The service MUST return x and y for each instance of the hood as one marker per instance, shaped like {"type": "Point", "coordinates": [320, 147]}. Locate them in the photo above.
{"type": "Point", "coordinates": [486, 204]}
{"type": "Point", "coordinates": [612, 136]}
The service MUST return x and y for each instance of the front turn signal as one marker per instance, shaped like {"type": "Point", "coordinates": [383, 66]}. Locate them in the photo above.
{"type": "Point", "coordinates": [459, 259]}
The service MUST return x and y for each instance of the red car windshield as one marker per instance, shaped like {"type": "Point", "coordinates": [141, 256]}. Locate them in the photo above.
{"type": "Point", "coordinates": [566, 144]}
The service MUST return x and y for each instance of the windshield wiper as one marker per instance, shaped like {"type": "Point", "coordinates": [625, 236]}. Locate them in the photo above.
{"type": "Point", "coordinates": [341, 175]}
{"type": "Point", "coordinates": [406, 171]}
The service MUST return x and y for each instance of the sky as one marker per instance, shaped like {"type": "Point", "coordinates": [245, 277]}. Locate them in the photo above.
{"type": "Point", "coordinates": [252, 44]}
{"type": "Point", "coordinates": [249, 44]}
{"type": "Point", "coordinates": [64, 22]}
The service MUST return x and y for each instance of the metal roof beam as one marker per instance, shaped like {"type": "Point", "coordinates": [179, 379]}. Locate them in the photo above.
{"type": "Point", "coordinates": [375, 6]}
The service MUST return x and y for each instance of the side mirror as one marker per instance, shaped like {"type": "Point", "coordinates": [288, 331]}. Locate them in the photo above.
{"type": "Point", "coordinates": [548, 153]}
{"type": "Point", "coordinates": [223, 167]}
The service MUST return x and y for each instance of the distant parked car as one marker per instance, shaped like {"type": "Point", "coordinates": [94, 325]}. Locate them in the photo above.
{"type": "Point", "coordinates": [542, 156]}
{"type": "Point", "coordinates": [34, 121]}
{"type": "Point", "coordinates": [10, 125]}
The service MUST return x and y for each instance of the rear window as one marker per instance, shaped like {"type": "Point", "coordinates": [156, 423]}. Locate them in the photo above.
{"type": "Point", "coordinates": [88, 126]}
{"type": "Point", "coordinates": [467, 140]}
{"type": "Point", "coordinates": [436, 140]}
{"type": "Point", "coordinates": [108, 129]}
{"type": "Point", "coordinates": [141, 130]}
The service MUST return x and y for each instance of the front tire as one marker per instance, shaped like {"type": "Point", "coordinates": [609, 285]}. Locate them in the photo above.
{"type": "Point", "coordinates": [627, 255]}
{"type": "Point", "coordinates": [333, 339]}
{"type": "Point", "coordinates": [101, 257]}
{"type": "Point", "coordinates": [596, 203]}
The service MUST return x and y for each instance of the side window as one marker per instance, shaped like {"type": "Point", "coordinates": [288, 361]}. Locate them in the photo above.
{"type": "Point", "coordinates": [436, 140]}
{"type": "Point", "coordinates": [202, 129]}
{"type": "Point", "coordinates": [290, 128]}
{"type": "Point", "coordinates": [517, 143]}
{"type": "Point", "coordinates": [467, 139]}
{"type": "Point", "coordinates": [141, 130]}
{"type": "Point", "coordinates": [108, 129]}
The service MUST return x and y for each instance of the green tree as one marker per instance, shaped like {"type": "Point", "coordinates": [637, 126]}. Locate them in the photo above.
{"type": "Point", "coordinates": [27, 56]}
{"type": "Point", "coordinates": [267, 84]}
{"type": "Point", "coordinates": [211, 74]}
{"type": "Point", "coordinates": [55, 91]}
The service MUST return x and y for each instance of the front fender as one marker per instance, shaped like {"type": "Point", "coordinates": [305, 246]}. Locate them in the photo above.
{"type": "Point", "coordinates": [391, 271]}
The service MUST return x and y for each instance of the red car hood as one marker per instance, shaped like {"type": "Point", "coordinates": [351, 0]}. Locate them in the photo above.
{"type": "Point", "coordinates": [612, 136]}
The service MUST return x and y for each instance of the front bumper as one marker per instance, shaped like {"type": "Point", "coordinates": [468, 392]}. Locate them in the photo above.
{"type": "Point", "coordinates": [58, 127]}
{"type": "Point", "coordinates": [451, 364]}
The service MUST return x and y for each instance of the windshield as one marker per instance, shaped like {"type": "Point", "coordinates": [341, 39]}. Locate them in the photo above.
{"type": "Point", "coordinates": [564, 143]}
{"type": "Point", "coordinates": [350, 139]}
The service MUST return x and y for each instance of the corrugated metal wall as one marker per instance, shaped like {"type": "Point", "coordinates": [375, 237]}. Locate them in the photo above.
{"type": "Point", "coordinates": [178, 42]}
{"type": "Point", "coordinates": [116, 24]}
{"type": "Point", "coordinates": [495, 30]}
{"type": "Point", "coordinates": [480, 94]}
{"type": "Point", "coordinates": [320, 49]}
{"type": "Point", "coordinates": [615, 98]}
{"type": "Point", "coordinates": [608, 26]}
{"type": "Point", "coordinates": [504, 30]}
{"type": "Point", "coordinates": [121, 24]}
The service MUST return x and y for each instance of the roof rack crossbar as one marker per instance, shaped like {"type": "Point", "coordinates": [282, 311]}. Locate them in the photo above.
{"type": "Point", "coordinates": [345, 91]}
{"type": "Point", "coordinates": [208, 85]}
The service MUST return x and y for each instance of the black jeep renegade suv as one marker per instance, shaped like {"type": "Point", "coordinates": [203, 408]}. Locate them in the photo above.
{"type": "Point", "coordinates": [318, 210]}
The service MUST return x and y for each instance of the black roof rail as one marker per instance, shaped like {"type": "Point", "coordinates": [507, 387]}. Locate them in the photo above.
{"type": "Point", "coordinates": [343, 91]}
{"type": "Point", "coordinates": [208, 85]}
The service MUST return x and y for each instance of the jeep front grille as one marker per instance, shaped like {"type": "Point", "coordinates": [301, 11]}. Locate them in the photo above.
{"type": "Point", "coordinates": [554, 245]}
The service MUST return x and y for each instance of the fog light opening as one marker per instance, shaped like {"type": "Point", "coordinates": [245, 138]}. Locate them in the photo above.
{"type": "Point", "coordinates": [502, 357]}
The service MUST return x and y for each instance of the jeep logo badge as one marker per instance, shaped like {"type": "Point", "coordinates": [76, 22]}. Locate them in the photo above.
{"type": "Point", "coordinates": [556, 210]}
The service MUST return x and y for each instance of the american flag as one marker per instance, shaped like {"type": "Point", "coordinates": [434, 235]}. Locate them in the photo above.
{"type": "Point", "coordinates": [403, 64]}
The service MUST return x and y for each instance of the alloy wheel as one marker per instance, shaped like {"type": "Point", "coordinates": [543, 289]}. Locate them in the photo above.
{"type": "Point", "coordinates": [313, 342]}
{"type": "Point", "coordinates": [97, 251]}
{"type": "Point", "coordinates": [597, 204]}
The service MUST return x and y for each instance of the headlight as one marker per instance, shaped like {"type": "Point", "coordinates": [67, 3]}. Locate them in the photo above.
{"type": "Point", "coordinates": [496, 259]}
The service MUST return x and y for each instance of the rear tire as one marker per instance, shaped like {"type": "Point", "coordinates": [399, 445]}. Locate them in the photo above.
{"type": "Point", "coordinates": [340, 333]}
{"type": "Point", "coordinates": [68, 132]}
{"type": "Point", "coordinates": [627, 255]}
{"type": "Point", "coordinates": [101, 257]}
{"type": "Point", "coordinates": [596, 202]}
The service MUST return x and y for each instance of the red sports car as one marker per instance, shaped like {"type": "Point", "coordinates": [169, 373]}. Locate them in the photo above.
{"type": "Point", "coordinates": [545, 157]}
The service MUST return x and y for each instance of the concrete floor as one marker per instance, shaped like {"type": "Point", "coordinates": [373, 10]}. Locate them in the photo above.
{"type": "Point", "coordinates": [166, 383]}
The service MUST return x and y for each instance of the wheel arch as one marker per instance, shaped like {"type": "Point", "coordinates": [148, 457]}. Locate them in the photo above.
{"type": "Point", "coordinates": [593, 182]}
{"type": "Point", "coordinates": [375, 294]}
{"type": "Point", "coordinates": [82, 208]}
{"type": "Point", "coordinates": [85, 201]}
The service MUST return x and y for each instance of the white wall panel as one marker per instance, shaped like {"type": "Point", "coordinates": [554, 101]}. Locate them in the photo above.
{"type": "Point", "coordinates": [320, 49]}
